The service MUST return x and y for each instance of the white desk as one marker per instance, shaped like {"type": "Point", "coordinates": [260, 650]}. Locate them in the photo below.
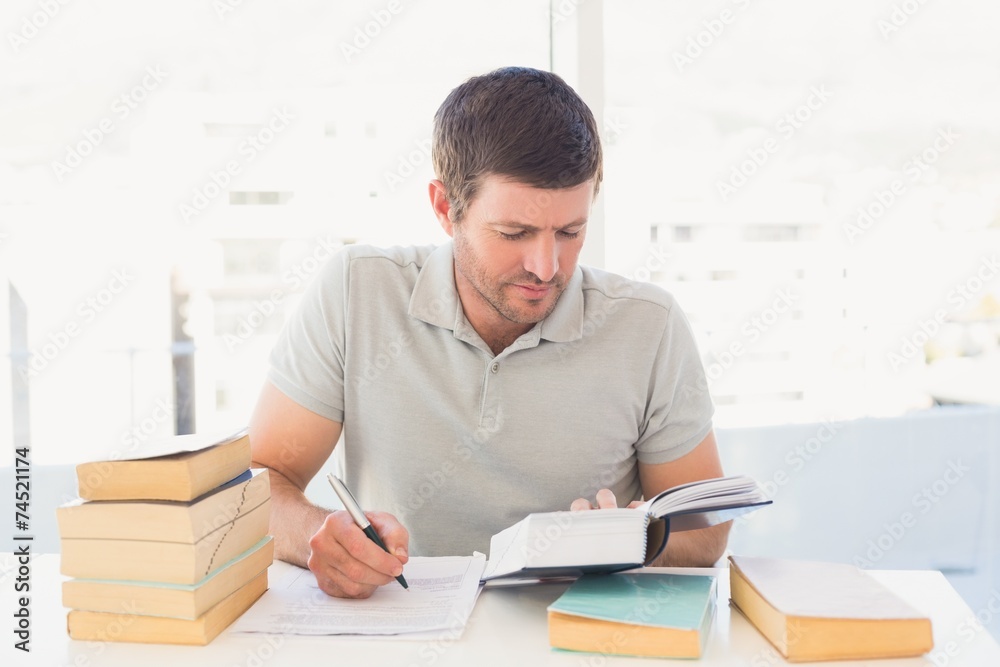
{"type": "Point", "coordinates": [507, 627]}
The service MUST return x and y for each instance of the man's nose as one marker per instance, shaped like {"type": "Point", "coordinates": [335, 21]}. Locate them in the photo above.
{"type": "Point", "coordinates": [543, 258]}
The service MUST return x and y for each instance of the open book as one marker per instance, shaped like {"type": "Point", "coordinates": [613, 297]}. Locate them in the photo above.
{"type": "Point", "coordinates": [569, 544]}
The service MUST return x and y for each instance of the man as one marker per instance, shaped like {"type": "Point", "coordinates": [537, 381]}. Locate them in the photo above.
{"type": "Point", "coordinates": [489, 377]}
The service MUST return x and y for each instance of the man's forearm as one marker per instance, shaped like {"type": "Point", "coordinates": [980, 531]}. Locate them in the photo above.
{"type": "Point", "coordinates": [293, 520]}
{"type": "Point", "coordinates": [695, 548]}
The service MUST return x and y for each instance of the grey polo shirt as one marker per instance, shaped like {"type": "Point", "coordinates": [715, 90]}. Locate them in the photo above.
{"type": "Point", "coordinates": [459, 443]}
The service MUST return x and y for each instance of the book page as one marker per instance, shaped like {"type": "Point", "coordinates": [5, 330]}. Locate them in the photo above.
{"type": "Point", "coordinates": [441, 596]}
{"type": "Point", "coordinates": [504, 558]}
{"type": "Point", "coordinates": [708, 494]}
{"type": "Point", "coordinates": [566, 539]}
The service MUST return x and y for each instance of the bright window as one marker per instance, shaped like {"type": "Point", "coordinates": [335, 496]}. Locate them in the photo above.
{"type": "Point", "coordinates": [816, 184]}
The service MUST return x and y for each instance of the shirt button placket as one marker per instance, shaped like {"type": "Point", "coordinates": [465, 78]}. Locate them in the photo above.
{"type": "Point", "coordinates": [486, 412]}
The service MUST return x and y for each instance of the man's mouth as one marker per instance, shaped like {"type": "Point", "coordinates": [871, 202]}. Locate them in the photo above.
{"type": "Point", "coordinates": [534, 291]}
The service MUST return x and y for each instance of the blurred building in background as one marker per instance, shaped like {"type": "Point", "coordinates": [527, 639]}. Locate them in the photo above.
{"type": "Point", "coordinates": [826, 221]}
{"type": "Point", "coordinates": [817, 185]}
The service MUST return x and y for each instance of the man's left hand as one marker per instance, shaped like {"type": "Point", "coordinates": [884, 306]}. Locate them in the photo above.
{"type": "Point", "coordinates": [605, 500]}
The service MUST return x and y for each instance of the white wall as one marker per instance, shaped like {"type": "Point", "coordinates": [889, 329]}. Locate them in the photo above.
{"type": "Point", "coordinates": [917, 492]}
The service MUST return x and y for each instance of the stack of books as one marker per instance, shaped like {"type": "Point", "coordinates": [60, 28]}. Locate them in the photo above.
{"type": "Point", "coordinates": [170, 548]}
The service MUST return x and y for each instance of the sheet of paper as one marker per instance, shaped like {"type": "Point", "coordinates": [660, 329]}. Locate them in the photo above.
{"type": "Point", "coordinates": [440, 598]}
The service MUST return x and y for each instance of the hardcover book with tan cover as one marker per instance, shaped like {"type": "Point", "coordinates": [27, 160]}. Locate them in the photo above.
{"type": "Point", "coordinates": [104, 626]}
{"type": "Point", "coordinates": [151, 598]}
{"type": "Point", "coordinates": [826, 611]}
{"type": "Point", "coordinates": [181, 467]}
{"type": "Point", "coordinates": [172, 562]}
{"type": "Point", "coordinates": [645, 614]}
{"type": "Point", "coordinates": [164, 520]}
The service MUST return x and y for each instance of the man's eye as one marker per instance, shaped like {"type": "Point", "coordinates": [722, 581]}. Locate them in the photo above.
{"type": "Point", "coordinates": [511, 237]}
{"type": "Point", "coordinates": [570, 235]}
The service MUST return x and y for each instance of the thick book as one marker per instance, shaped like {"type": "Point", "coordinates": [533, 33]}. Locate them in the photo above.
{"type": "Point", "coordinates": [648, 614]}
{"type": "Point", "coordinates": [164, 520]}
{"type": "Point", "coordinates": [169, 600]}
{"type": "Point", "coordinates": [121, 627]}
{"type": "Point", "coordinates": [181, 562]}
{"type": "Point", "coordinates": [570, 544]}
{"type": "Point", "coordinates": [826, 611]}
{"type": "Point", "coordinates": [181, 467]}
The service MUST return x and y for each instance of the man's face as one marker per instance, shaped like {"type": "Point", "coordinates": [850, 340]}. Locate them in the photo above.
{"type": "Point", "coordinates": [516, 249]}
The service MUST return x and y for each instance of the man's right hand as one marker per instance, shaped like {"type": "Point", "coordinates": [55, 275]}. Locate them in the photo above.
{"type": "Point", "coordinates": [347, 564]}
{"type": "Point", "coordinates": [295, 443]}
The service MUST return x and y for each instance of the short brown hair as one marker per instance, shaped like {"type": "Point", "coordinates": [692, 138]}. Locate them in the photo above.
{"type": "Point", "coordinates": [518, 122]}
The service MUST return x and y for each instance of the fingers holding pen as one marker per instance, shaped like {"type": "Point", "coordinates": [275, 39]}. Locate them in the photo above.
{"type": "Point", "coordinates": [346, 563]}
{"type": "Point", "coordinates": [395, 537]}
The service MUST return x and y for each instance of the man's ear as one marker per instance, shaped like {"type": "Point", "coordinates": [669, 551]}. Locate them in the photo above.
{"type": "Point", "coordinates": [441, 206]}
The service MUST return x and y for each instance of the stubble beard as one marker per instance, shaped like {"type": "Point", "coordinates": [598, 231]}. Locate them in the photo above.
{"type": "Point", "coordinates": [493, 292]}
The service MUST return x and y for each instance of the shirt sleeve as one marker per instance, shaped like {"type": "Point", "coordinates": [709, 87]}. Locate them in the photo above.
{"type": "Point", "coordinates": [679, 408]}
{"type": "Point", "coordinates": [307, 362]}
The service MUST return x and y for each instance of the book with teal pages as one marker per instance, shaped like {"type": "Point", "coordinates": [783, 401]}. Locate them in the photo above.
{"type": "Point", "coordinates": [646, 614]}
{"type": "Point", "coordinates": [152, 598]}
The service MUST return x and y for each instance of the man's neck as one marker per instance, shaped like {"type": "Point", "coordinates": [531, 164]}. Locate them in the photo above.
{"type": "Point", "coordinates": [497, 331]}
{"type": "Point", "coordinates": [498, 344]}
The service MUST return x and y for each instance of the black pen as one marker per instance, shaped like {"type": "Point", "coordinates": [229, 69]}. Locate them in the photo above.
{"type": "Point", "coordinates": [354, 509]}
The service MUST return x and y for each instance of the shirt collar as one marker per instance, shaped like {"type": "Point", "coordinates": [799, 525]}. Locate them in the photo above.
{"type": "Point", "coordinates": [565, 323]}
{"type": "Point", "coordinates": [435, 300]}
